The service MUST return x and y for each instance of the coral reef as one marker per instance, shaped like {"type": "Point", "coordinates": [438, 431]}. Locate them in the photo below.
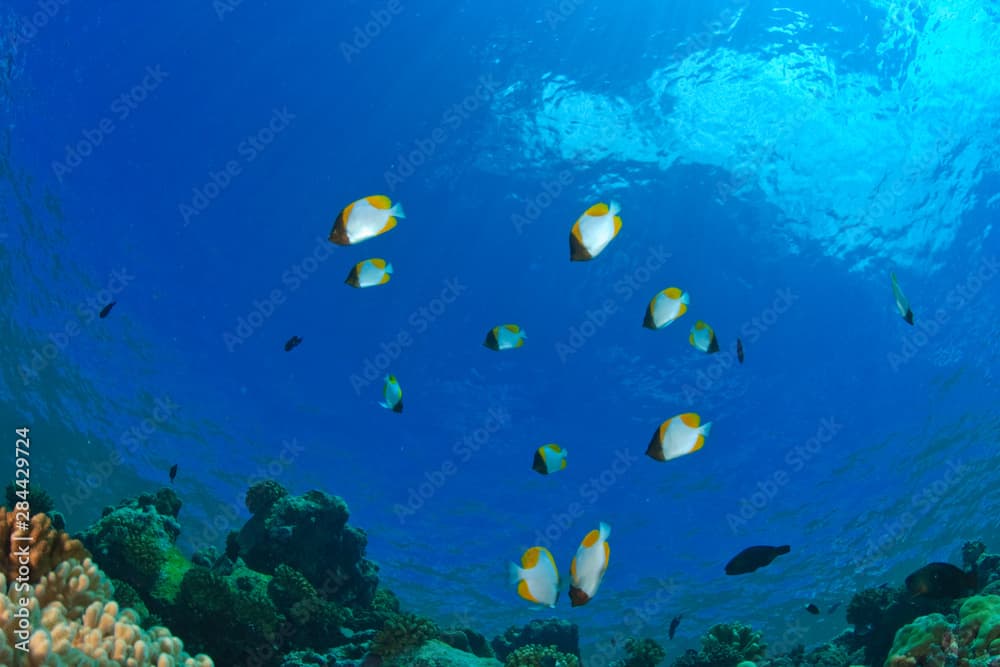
{"type": "Point", "coordinates": [402, 634]}
{"type": "Point", "coordinates": [536, 655]}
{"type": "Point", "coordinates": [38, 500]}
{"type": "Point", "coordinates": [642, 653]}
{"type": "Point", "coordinates": [468, 640]}
{"type": "Point", "coordinates": [935, 641]}
{"type": "Point", "coordinates": [985, 565]}
{"type": "Point", "coordinates": [262, 495]}
{"type": "Point", "coordinates": [134, 542]}
{"type": "Point", "coordinates": [564, 635]}
{"type": "Point", "coordinates": [725, 645]}
{"type": "Point", "coordinates": [49, 546]}
{"type": "Point", "coordinates": [310, 534]}
{"type": "Point", "coordinates": [72, 620]}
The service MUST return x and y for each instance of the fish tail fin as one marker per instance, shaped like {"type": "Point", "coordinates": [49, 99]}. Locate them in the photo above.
{"type": "Point", "coordinates": [685, 299]}
{"type": "Point", "coordinates": [784, 549]}
{"type": "Point", "coordinates": [705, 428]}
{"type": "Point", "coordinates": [388, 267]}
{"type": "Point", "coordinates": [513, 573]}
{"type": "Point", "coordinates": [397, 211]}
{"type": "Point", "coordinates": [614, 207]}
{"type": "Point", "coordinates": [605, 531]}
{"type": "Point", "coordinates": [908, 317]}
{"type": "Point", "coordinates": [384, 404]}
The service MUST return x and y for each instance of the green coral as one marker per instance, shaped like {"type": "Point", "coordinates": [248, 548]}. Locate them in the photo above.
{"type": "Point", "coordinates": [262, 495]}
{"type": "Point", "coordinates": [725, 645]}
{"type": "Point", "coordinates": [402, 633]}
{"type": "Point", "coordinates": [314, 620]}
{"type": "Point", "coordinates": [643, 653]}
{"type": "Point", "coordinates": [129, 598]}
{"type": "Point", "coordinates": [168, 584]}
{"type": "Point", "coordinates": [39, 501]}
{"type": "Point", "coordinates": [980, 618]}
{"type": "Point", "coordinates": [920, 640]}
{"type": "Point", "coordinates": [223, 615]}
{"type": "Point", "coordinates": [536, 655]}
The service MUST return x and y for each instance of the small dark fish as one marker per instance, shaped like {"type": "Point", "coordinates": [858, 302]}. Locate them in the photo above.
{"type": "Point", "coordinates": [107, 309]}
{"type": "Point", "coordinates": [613, 642]}
{"type": "Point", "coordinates": [941, 580]}
{"type": "Point", "coordinates": [173, 472]}
{"type": "Point", "coordinates": [292, 343]}
{"type": "Point", "coordinates": [812, 609]}
{"type": "Point", "coordinates": [833, 608]}
{"type": "Point", "coordinates": [739, 350]}
{"type": "Point", "coordinates": [673, 625]}
{"type": "Point", "coordinates": [753, 558]}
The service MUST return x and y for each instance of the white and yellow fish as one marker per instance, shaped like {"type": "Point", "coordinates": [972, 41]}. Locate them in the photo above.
{"type": "Point", "coordinates": [703, 338]}
{"type": "Point", "coordinates": [393, 394]}
{"type": "Point", "coordinates": [505, 337]}
{"type": "Point", "coordinates": [549, 458]}
{"type": "Point", "coordinates": [537, 578]}
{"type": "Point", "coordinates": [364, 219]}
{"type": "Point", "coordinates": [369, 272]}
{"type": "Point", "coordinates": [666, 307]}
{"type": "Point", "coordinates": [589, 565]}
{"type": "Point", "coordinates": [902, 304]}
{"type": "Point", "coordinates": [593, 231]}
{"type": "Point", "coordinates": [678, 436]}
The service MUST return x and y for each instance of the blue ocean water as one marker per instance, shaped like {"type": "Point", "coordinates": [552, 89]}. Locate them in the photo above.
{"type": "Point", "coordinates": [187, 161]}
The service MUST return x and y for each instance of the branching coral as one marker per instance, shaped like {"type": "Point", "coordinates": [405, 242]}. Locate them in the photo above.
{"type": "Point", "coordinates": [536, 655]}
{"type": "Point", "coordinates": [643, 653]}
{"type": "Point", "coordinates": [725, 645]}
{"type": "Point", "coordinates": [71, 620]}
{"type": "Point", "coordinates": [402, 633]}
{"type": "Point", "coordinates": [48, 547]}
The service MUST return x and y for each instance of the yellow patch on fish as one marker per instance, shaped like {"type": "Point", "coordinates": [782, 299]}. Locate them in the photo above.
{"type": "Point", "coordinates": [666, 307]}
{"type": "Point", "coordinates": [365, 218]}
{"type": "Point", "coordinates": [536, 578]}
{"type": "Point", "coordinates": [679, 435]}
{"type": "Point", "coordinates": [593, 231]}
{"type": "Point", "coordinates": [589, 565]}
{"type": "Point", "coordinates": [369, 272]}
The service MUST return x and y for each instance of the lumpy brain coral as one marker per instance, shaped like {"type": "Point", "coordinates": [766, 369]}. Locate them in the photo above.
{"type": "Point", "coordinates": [49, 546]}
{"type": "Point", "coordinates": [70, 619]}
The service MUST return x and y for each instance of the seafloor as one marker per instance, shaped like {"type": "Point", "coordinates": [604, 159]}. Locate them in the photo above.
{"type": "Point", "coordinates": [293, 587]}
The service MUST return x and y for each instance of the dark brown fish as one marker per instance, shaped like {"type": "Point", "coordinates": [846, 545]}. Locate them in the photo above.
{"type": "Point", "coordinates": [673, 626]}
{"type": "Point", "coordinates": [753, 558]}
{"type": "Point", "coordinates": [941, 580]}
{"type": "Point", "coordinates": [812, 609]}
{"type": "Point", "coordinates": [107, 309]}
{"type": "Point", "coordinates": [739, 350]}
{"type": "Point", "coordinates": [173, 472]}
{"type": "Point", "coordinates": [292, 343]}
